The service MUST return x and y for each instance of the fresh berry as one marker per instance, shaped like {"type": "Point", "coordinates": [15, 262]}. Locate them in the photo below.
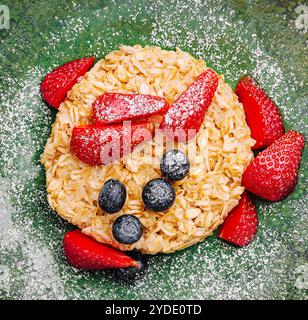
{"type": "Point", "coordinates": [185, 116]}
{"type": "Point", "coordinates": [127, 229]}
{"type": "Point", "coordinates": [58, 82]}
{"type": "Point", "coordinates": [262, 114]}
{"type": "Point", "coordinates": [241, 224]}
{"type": "Point", "coordinates": [95, 144]}
{"type": "Point", "coordinates": [272, 175]}
{"type": "Point", "coordinates": [133, 274]}
{"type": "Point", "coordinates": [174, 165]}
{"type": "Point", "coordinates": [119, 107]}
{"type": "Point", "coordinates": [112, 196]}
{"type": "Point", "coordinates": [158, 195]}
{"type": "Point", "coordinates": [85, 253]}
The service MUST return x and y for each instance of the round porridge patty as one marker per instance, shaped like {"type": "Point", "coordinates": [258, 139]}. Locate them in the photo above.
{"type": "Point", "coordinates": [218, 154]}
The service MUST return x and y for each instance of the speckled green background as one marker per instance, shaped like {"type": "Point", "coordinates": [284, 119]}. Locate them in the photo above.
{"type": "Point", "coordinates": [234, 37]}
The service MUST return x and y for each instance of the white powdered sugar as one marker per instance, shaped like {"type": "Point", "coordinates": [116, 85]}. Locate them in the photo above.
{"type": "Point", "coordinates": [31, 259]}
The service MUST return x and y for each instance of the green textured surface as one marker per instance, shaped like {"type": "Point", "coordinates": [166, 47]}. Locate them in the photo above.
{"type": "Point", "coordinates": [234, 37]}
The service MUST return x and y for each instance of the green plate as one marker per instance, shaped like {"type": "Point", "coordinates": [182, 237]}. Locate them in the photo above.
{"type": "Point", "coordinates": [264, 38]}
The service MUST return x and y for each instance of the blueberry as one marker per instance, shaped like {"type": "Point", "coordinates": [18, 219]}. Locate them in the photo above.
{"type": "Point", "coordinates": [132, 274]}
{"type": "Point", "coordinates": [174, 165]}
{"type": "Point", "coordinates": [112, 196]}
{"type": "Point", "coordinates": [127, 229]}
{"type": "Point", "coordinates": [158, 195]}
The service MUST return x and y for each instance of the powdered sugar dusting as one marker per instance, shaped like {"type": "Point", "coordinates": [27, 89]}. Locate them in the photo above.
{"type": "Point", "coordinates": [31, 235]}
{"type": "Point", "coordinates": [29, 263]}
{"type": "Point", "coordinates": [114, 108]}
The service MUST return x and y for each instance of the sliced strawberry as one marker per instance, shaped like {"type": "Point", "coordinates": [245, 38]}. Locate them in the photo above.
{"type": "Point", "coordinates": [262, 114]}
{"type": "Point", "coordinates": [241, 224]}
{"type": "Point", "coordinates": [185, 116]}
{"type": "Point", "coordinates": [82, 252]}
{"type": "Point", "coordinates": [95, 144]}
{"type": "Point", "coordinates": [272, 175]}
{"type": "Point", "coordinates": [59, 81]}
{"type": "Point", "coordinates": [119, 107]}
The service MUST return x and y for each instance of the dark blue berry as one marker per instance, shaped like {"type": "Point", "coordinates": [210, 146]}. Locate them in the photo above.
{"type": "Point", "coordinates": [127, 229]}
{"type": "Point", "coordinates": [174, 165]}
{"type": "Point", "coordinates": [112, 197]}
{"type": "Point", "coordinates": [132, 274]}
{"type": "Point", "coordinates": [158, 195]}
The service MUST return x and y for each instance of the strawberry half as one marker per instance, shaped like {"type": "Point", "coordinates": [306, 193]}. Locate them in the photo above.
{"type": "Point", "coordinates": [272, 175]}
{"type": "Point", "coordinates": [119, 107]}
{"type": "Point", "coordinates": [95, 144]}
{"type": "Point", "coordinates": [58, 82]}
{"type": "Point", "coordinates": [262, 114]}
{"type": "Point", "coordinates": [85, 253]}
{"type": "Point", "coordinates": [241, 224]}
{"type": "Point", "coordinates": [185, 116]}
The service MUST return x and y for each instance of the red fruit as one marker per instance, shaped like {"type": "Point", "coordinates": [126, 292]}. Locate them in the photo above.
{"type": "Point", "coordinates": [85, 253]}
{"type": "Point", "coordinates": [185, 116]}
{"type": "Point", "coordinates": [95, 144]}
{"type": "Point", "coordinates": [241, 224]}
{"type": "Point", "coordinates": [262, 114]}
{"type": "Point", "coordinates": [119, 107]}
{"type": "Point", "coordinates": [59, 81]}
{"type": "Point", "coordinates": [272, 175]}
